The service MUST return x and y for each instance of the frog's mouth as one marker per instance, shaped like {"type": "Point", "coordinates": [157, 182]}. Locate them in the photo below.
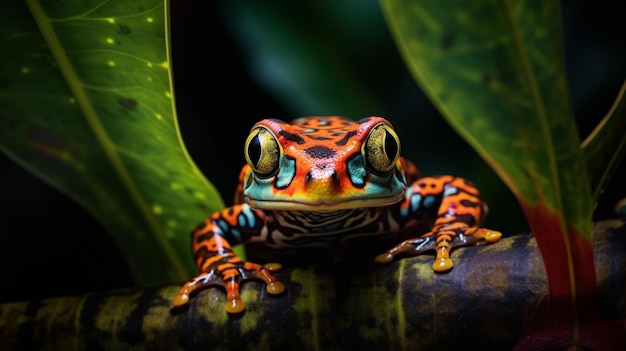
{"type": "Point", "coordinates": [315, 205]}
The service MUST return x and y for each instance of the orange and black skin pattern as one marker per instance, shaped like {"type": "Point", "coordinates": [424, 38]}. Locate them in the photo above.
{"type": "Point", "coordinates": [323, 185]}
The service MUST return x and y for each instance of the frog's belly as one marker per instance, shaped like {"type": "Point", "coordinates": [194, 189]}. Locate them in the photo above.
{"type": "Point", "coordinates": [303, 236]}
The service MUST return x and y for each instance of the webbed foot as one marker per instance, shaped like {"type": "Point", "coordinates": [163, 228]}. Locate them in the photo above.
{"type": "Point", "coordinates": [442, 241]}
{"type": "Point", "coordinates": [230, 278]}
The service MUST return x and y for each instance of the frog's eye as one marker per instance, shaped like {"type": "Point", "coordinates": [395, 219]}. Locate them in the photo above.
{"type": "Point", "coordinates": [262, 152]}
{"type": "Point", "coordinates": [381, 149]}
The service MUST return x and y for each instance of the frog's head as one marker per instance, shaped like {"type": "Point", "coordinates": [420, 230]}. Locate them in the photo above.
{"type": "Point", "coordinates": [322, 164]}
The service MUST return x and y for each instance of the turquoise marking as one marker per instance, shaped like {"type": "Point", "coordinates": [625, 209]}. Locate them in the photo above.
{"type": "Point", "coordinates": [450, 190]}
{"type": "Point", "coordinates": [429, 200]}
{"type": "Point", "coordinates": [356, 171]}
{"type": "Point", "coordinates": [246, 211]}
{"type": "Point", "coordinates": [286, 173]}
{"type": "Point", "coordinates": [416, 201]}
{"type": "Point", "coordinates": [404, 211]}
{"type": "Point", "coordinates": [383, 185]}
{"type": "Point", "coordinates": [223, 225]}
{"type": "Point", "coordinates": [236, 233]}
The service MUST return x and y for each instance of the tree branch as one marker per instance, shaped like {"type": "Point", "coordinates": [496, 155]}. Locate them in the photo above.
{"type": "Point", "coordinates": [403, 305]}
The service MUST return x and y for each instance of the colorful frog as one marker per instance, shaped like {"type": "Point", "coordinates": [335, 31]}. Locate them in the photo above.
{"type": "Point", "coordinates": [330, 186]}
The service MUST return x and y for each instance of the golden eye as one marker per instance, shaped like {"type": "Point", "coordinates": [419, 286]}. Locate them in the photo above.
{"type": "Point", "coordinates": [262, 152]}
{"type": "Point", "coordinates": [381, 149]}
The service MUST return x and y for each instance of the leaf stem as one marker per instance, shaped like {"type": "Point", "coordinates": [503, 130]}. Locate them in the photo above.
{"type": "Point", "coordinates": [532, 86]}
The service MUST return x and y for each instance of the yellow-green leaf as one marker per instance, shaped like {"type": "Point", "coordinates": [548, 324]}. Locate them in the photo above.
{"type": "Point", "coordinates": [86, 104]}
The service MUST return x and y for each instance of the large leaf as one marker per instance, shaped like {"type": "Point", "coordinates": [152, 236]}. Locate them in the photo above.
{"type": "Point", "coordinates": [86, 104]}
{"type": "Point", "coordinates": [605, 147]}
{"type": "Point", "coordinates": [495, 71]}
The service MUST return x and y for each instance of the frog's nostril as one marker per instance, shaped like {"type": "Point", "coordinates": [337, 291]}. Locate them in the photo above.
{"type": "Point", "coordinates": [330, 178]}
{"type": "Point", "coordinates": [334, 177]}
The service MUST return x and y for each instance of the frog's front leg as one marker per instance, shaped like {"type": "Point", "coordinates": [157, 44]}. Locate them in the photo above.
{"type": "Point", "coordinates": [211, 245]}
{"type": "Point", "coordinates": [458, 211]}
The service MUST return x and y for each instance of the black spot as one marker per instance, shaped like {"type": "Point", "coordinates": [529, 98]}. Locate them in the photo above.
{"type": "Point", "coordinates": [291, 137]}
{"type": "Point", "coordinates": [124, 30]}
{"type": "Point", "coordinates": [363, 120]}
{"type": "Point", "coordinates": [468, 182]}
{"type": "Point", "coordinates": [44, 136]}
{"type": "Point", "coordinates": [318, 138]}
{"type": "Point", "coordinates": [465, 218]}
{"type": "Point", "coordinates": [320, 152]}
{"type": "Point", "coordinates": [468, 203]}
{"type": "Point", "coordinates": [345, 139]}
{"type": "Point", "coordinates": [199, 240]}
{"type": "Point", "coordinates": [128, 103]}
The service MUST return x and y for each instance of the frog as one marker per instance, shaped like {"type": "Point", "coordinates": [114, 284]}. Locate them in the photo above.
{"type": "Point", "coordinates": [326, 186]}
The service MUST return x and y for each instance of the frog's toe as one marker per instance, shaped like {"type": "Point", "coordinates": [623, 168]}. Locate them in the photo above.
{"type": "Point", "coordinates": [490, 236]}
{"type": "Point", "coordinates": [234, 303]}
{"type": "Point", "coordinates": [443, 263]}
{"type": "Point", "coordinates": [272, 285]}
{"type": "Point", "coordinates": [384, 257]}
{"type": "Point", "coordinates": [411, 247]}
{"type": "Point", "coordinates": [250, 271]}
{"type": "Point", "coordinates": [181, 298]}
{"type": "Point", "coordinates": [200, 281]}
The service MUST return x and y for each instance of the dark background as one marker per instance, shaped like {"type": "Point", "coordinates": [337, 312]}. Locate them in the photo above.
{"type": "Point", "coordinates": [219, 96]}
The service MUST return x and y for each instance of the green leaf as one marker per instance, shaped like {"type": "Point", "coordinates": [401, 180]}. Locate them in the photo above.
{"type": "Point", "coordinates": [605, 147]}
{"type": "Point", "coordinates": [501, 84]}
{"type": "Point", "coordinates": [87, 105]}
{"type": "Point", "coordinates": [495, 71]}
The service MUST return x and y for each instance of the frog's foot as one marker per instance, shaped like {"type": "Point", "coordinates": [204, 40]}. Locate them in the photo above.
{"type": "Point", "coordinates": [442, 241]}
{"type": "Point", "coordinates": [230, 278]}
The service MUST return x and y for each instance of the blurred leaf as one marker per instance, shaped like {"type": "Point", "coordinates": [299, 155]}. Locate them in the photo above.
{"type": "Point", "coordinates": [86, 104]}
{"type": "Point", "coordinates": [605, 147]}
{"type": "Point", "coordinates": [495, 71]}
{"type": "Point", "coordinates": [305, 65]}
